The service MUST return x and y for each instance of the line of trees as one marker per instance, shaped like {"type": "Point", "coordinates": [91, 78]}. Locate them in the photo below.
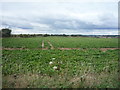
{"type": "Point", "coordinates": [42, 35]}
{"type": "Point", "coordinates": [6, 32]}
{"type": "Point", "coordinates": [63, 35]}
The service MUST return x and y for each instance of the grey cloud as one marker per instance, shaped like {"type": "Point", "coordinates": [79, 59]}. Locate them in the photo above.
{"type": "Point", "coordinates": [16, 22]}
{"type": "Point", "coordinates": [57, 24]}
{"type": "Point", "coordinates": [76, 24]}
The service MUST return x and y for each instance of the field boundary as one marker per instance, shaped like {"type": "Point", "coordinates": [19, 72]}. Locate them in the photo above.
{"type": "Point", "coordinates": [102, 49]}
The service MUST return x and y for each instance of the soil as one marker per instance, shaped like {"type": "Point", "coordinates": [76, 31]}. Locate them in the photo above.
{"type": "Point", "coordinates": [102, 49]}
{"type": "Point", "coordinates": [50, 45]}
{"type": "Point", "coordinates": [42, 44]}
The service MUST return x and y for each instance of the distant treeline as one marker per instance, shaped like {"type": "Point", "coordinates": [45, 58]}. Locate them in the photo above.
{"type": "Point", "coordinates": [7, 33]}
{"type": "Point", "coordinates": [42, 35]}
{"type": "Point", "coordinates": [63, 35]}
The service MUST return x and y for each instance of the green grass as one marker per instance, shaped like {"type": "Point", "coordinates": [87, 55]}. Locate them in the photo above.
{"type": "Point", "coordinates": [78, 68]}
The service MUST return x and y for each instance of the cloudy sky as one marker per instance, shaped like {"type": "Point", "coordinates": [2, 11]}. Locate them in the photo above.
{"type": "Point", "coordinates": [70, 17]}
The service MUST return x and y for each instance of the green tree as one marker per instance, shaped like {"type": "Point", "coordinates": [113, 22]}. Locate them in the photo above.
{"type": "Point", "coordinates": [5, 32]}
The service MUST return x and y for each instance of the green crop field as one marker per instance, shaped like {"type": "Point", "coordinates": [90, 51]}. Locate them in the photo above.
{"type": "Point", "coordinates": [22, 42]}
{"type": "Point", "coordinates": [63, 42]}
{"type": "Point", "coordinates": [54, 68]}
{"type": "Point", "coordinates": [83, 42]}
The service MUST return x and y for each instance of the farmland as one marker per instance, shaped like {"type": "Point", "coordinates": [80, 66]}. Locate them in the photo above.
{"type": "Point", "coordinates": [61, 42]}
{"type": "Point", "coordinates": [26, 65]}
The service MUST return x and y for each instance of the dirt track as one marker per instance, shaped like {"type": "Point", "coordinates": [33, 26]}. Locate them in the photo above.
{"type": "Point", "coordinates": [42, 44]}
{"type": "Point", "coordinates": [50, 45]}
{"type": "Point", "coordinates": [102, 49]}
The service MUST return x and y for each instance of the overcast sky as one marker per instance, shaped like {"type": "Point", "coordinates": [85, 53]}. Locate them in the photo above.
{"type": "Point", "coordinates": [55, 17]}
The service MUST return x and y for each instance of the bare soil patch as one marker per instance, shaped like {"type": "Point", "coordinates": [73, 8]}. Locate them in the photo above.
{"type": "Point", "coordinates": [23, 48]}
{"type": "Point", "coordinates": [14, 48]}
{"type": "Point", "coordinates": [105, 49]}
{"type": "Point", "coordinates": [42, 44]}
{"type": "Point", "coordinates": [69, 48]}
{"type": "Point", "coordinates": [102, 49]}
